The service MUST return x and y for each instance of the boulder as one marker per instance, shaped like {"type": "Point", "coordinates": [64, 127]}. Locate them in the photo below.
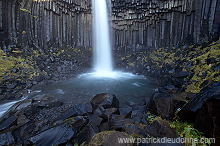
{"type": "Point", "coordinates": [203, 110]}
{"type": "Point", "coordinates": [95, 120]}
{"type": "Point", "coordinates": [166, 104]}
{"type": "Point", "coordinates": [54, 136]}
{"type": "Point", "coordinates": [126, 111]}
{"type": "Point", "coordinates": [6, 123]}
{"type": "Point", "coordinates": [160, 128]}
{"type": "Point", "coordinates": [86, 134]}
{"type": "Point", "coordinates": [106, 100]}
{"type": "Point", "coordinates": [109, 138]}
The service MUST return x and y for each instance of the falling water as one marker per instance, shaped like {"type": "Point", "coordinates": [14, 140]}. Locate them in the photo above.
{"type": "Point", "coordinates": [103, 63]}
{"type": "Point", "coordinates": [102, 53]}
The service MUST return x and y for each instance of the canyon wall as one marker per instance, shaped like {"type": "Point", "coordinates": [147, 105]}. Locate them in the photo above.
{"type": "Point", "coordinates": [46, 23]}
{"type": "Point", "coordinates": [164, 23]}
{"type": "Point", "coordinates": [135, 23]}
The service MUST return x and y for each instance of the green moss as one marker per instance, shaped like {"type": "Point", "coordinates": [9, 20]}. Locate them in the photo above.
{"type": "Point", "coordinates": [203, 71]}
{"type": "Point", "coordinates": [131, 64]}
{"type": "Point", "coordinates": [23, 66]}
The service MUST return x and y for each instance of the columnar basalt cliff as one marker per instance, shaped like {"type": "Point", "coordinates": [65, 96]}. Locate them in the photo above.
{"type": "Point", "coordinates": [148, 23]}
{"type": "Point", "coordinates": [163, 23]}
{"type": "Point", "coordinates": [46, 23]}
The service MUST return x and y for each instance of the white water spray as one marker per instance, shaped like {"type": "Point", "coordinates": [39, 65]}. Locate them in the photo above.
{"type": "Point", "coordinates": [103, 63]}
{"type": "Point", "coordinates": [102, 53]}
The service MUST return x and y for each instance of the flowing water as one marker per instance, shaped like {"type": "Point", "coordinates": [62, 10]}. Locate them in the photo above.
{"type": "Point", "coordinates": [103, 63]}
{"type": "Point", "coordinates": [126, 86]}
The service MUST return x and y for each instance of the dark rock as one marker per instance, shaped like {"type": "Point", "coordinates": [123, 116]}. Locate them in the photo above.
{"type": "Point", "coordinates": [204, 83]}
{"type": "Point", "coordinates": [11, 86]}
{"type": "Point", "coordinates": [203, 110]}
{"type": "Point", "coordinates": [8, 122]}
{"type": "Point", "coordinates": [78, 123]}
{"type": "Point", "coordinates": [137, 115]}
{"type": "Point", "coordinates": [48, 103]}
{"type": "Point", "coordinates": [166, 104]}
{"type": "Point", "coordinates": [105, 126]}
{"type": "Point", "coordinates": [126, 111]}
{"type": "Point", "coordinates": [109, 138]}
{"type": "Point", "coordinates": [23, 133]}
{"type": "Point", "coordinates": [95, 120]}
{"type": "Point", "coordinates": [108, 112]}
{"type": "Point", "coordinates": [162, 104]}
{"type": "Point", "coordinates": [21, 105]}
{"type": "Point", "coordinates": [67, 114]}
{"type": "Point", "coordinates": [170, 87]}
{"type": "Point", "coordinates": [6, 139]}
{"type": "Point", "coordinates": [216, 67]}
{"type": "Point", "coordinates": [80, 109]}
{"type": "Point", "coordinates": [211, 61]}
{"type": "Point", "coordinates": [182, 74]}
{"type": "Point", "coordinates": [136, 128]}
{"type": "Point", "coordinates": [99, 111]}
{"type": "Point", "coordinates": [54, 136]}
{"type": "Point", "coordinates": [86, 134]}
{"type": "Point", "coordinates": [120, 123]}
{"type": "Point", "coordinates": [212, 91]}
{"type": "Point", "coordinates": [22, 119]}
{"type": "Point", "coordinates": [160, 128]}
{"type": "Point", "coordinates": [105, 100]}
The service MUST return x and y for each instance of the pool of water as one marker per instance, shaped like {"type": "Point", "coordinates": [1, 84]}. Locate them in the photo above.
{"type": "Point", "coordinates": [126, 87]}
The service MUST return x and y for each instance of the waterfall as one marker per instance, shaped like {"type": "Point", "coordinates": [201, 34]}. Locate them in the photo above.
{"type": "Point", "coordinates": [103, 63]}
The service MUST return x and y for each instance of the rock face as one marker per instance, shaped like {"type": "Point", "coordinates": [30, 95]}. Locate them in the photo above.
{"type": "Point", "coordinates": [156, 23]}
{"type": "Point", "coordinates": [46, 23]}
{"type": "Point", "coordinates": [148, 23]}
{"type": "Point", "coordinates": [203, 110]}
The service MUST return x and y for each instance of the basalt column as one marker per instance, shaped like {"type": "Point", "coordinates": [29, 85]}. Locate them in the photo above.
{"type": "Point", "coordinates": [164, 23]}
{"type": "Point", "coordinates": [46, 23]}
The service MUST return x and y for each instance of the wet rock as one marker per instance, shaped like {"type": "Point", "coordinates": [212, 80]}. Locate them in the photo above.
{"type": "Point", "coordinates": [108, 112]}
{"type": "Point", "coordinates": [54, 136]}
{"type": "Point", "coordinates": [99, 111]}
{"type": "Point", "coordinates": [67, 114]}
{"type": "Point", "coordinates": [8, 122]}
{"type": "Point", "coordinates": [78, 123]}
{"type": "Point", "coordinates": [23, 133]}
{"type": "Point", "coordinates": [48, 103]}
{"type": "Point", "coordinates": [95, 120]}
{"type": "Point", "coordinates": [22, 119]}
{"type": "Point", "coordinates": [86, 134]}
{"type": "Point", "coordinates": [80, 109]}
{"type": "Point", "coordinates": [105, 100]}
{"type": "Point", "coordinates": [126, 111]}
{"type": "Point", "coordinates": [160, 128]}
{"type": "Point", "coordinates": [109, 138]}
{"type": "Point", "coordinates": [21, 105]}
{"type": "Point", "coordinates": [6, 139]}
